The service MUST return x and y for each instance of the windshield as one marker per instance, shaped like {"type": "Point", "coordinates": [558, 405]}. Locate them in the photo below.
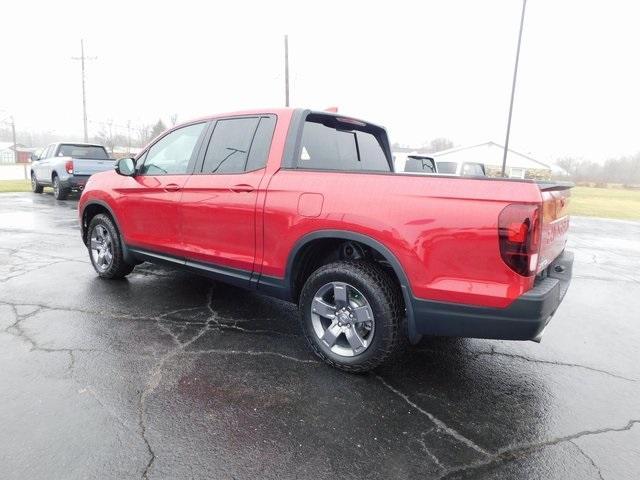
{"type": "Point", "coordinates": [447, 167]}
{"type": "Point", "coordinates": [83, 151]}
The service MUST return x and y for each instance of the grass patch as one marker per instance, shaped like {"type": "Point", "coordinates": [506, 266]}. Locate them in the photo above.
{"type": "Point", "coordinates": [605, 202]}
{"type": "Point", "coordinates": [15, 186]}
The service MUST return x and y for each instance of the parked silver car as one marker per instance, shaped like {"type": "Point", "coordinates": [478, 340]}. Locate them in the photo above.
{"type": "Point", "coordinates": [67, 167]}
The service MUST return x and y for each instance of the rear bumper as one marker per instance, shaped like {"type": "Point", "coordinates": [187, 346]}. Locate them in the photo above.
{"type": "Point", "coordinates": [524, 319]}
{"type": "Point", "coordinates": [74, 181]}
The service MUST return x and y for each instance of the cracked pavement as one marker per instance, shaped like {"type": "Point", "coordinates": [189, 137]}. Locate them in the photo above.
{"type": "Point", "coordinates": [168, 375]}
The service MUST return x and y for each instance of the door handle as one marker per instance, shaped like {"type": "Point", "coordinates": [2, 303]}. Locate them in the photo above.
{"type": "Point", "coordinates": [243, 187]}
{"type": "Point", "coordinates": [171, 187]}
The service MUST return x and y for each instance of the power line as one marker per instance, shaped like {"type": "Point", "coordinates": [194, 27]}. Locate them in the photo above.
{"type": "Point", "coordinates": [82, 59]}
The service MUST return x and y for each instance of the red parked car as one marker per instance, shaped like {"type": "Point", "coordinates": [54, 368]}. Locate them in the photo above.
{"type": "Point", "coordinates": [305, 206]}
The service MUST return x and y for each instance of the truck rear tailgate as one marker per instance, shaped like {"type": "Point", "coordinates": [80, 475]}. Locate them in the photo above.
{"type": "Point", "coordinates": [87, 166]}
{"type": "Point", "coordinates": [555, 222]}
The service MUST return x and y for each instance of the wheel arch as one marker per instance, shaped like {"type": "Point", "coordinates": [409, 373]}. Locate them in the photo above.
{"type": "Point", "coordinates": [304, 243]}
{"type": "Point", "coordinates": [95, 207]}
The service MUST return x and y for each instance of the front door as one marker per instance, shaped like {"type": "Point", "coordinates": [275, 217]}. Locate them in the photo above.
{"type": "Point", "coordinates": [150, 198]}
{"type": "Point", "coordinates": [41, 167]}
{"type": "Point", "coordinates": [218, 201]}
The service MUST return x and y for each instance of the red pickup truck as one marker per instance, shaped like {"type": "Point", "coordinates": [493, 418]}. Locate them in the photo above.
{"type": "Point", "coordinates": [305, 206]}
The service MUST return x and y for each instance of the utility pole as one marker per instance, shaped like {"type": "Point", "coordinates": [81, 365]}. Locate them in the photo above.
{"type": "Point", "coordinates": [513, 91]}
{"type": "Point", "coordinates": [128, 136]}
{"type": "Point", "coordinates": [15, 145]}
{"type": "Point", "coordinates": [286, 70]}
{"type": "Point", "coordinates": [82, 59]}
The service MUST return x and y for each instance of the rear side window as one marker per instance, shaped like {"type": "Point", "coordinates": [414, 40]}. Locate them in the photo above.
{"type": "Point", "coordinates": [261, 145]}
{"type": "Point", "coordinates": [228, 149]}
{"type": "Point", "coordinates": [329, 144]}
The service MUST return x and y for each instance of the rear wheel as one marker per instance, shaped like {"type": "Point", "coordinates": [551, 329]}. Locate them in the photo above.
{"type": "Point", "coordinates": [59, 192]}
{"type": "Point", "coordinates": [35, 186]}
{"type": "Point", "coordinates": [105, 248]}
{"type": "Point", "coordinates": [351, 315]}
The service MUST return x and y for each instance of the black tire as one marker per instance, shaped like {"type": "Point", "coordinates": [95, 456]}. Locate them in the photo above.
{"type": "Point", "coordinates": [118, 267]}
{"type": "Point", "coordinates": [35, 186]}
{"type": "Point", "coordinates": [59, 192]}
{"type": "Point", "coordinates": [383, 297]}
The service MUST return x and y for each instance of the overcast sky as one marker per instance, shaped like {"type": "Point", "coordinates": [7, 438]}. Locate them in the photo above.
{"type": "Point", "coordinates": [423, 69]}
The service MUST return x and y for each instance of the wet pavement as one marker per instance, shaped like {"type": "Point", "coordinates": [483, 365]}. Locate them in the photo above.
{"type": "Point", "coordinates": [168, 375]}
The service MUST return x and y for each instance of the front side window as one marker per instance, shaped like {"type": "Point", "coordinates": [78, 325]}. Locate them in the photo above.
{"type": "Point", "coordinates": [172, 153]}
{"type": "Point", "coordinates": [329, 144]}
{"type": "Point", "coordinates": [47, 152]}
{"type": "Point", "coordinates": [228, 149]}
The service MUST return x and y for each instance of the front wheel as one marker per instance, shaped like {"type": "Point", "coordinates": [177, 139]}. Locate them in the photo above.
{"type": "Point", "coordinates": [105, 248]}
{"type": "Point", "coordinates": [35, 186]}
{"type": "Point", "coordinates": [351, 314]}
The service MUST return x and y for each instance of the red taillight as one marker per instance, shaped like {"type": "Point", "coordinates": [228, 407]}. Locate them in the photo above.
{"type": "Point", "coordinates": [68, 166]}
{"type": "Point", "coordinates": [519, 234]}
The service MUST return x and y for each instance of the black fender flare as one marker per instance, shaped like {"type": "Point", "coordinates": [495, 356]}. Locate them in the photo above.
{"type": "Point", "coordinates": [126, 253]}
{"type": "Point", "coordinates": [388, 255]}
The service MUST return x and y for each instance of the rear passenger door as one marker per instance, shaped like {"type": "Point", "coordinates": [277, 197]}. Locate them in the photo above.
{"type": "Point", "coordinates": [218, 202]}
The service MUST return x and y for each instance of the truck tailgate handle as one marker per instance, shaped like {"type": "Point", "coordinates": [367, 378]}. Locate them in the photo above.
{"type": "Point", "coordinates": [171, 187]}
{"type": "Point", "coordinates": [242, 187]}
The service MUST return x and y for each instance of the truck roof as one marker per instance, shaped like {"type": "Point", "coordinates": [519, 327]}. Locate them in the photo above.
{"type": "Point", "coordinates": [276, 111]}
{"type": "Point", "coordinates": [79, 144]}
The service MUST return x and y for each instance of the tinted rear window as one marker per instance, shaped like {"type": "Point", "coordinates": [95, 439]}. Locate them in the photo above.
{"type": "Point", "coordinates": [83, 151]}
{"type": "Point", "coordinates": [328, 144]}
{"type": "Point", "coordinates": [447, 167]}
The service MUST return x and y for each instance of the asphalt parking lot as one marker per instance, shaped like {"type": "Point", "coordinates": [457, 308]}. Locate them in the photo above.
{"type": "Point", "coordinates": [168, 375]}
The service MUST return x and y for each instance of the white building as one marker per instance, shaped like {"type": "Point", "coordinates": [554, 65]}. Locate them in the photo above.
{"type": "Point", "coordinates": [7, 154]}
{"type": "Point", "coordinates": [490, 154]}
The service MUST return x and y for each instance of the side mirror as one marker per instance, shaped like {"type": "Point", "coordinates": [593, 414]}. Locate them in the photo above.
{"type": "Point", "coordinates": [126, 166]}
{"type": "Point", "coordinates": [34, 157]}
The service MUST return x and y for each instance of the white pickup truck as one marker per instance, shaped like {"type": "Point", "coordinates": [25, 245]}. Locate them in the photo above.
{"type": "Point", "coordinates": [67, 167]}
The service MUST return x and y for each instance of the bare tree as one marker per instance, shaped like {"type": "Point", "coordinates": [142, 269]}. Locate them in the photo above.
{"type": "Point", "coordinates": [158, 128]}
{"type": "Point", "coordinates": [436, 145]}
{"type": "Point", "coordinates": [106, 135]}
{"type": "Point", "coordinates": [144, 134]}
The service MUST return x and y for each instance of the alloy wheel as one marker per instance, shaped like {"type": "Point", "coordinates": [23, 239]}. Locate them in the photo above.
{"type": "Point", "coordinates": [101, 248]}
{"type": "Point", "coordinates": [342, 319]}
